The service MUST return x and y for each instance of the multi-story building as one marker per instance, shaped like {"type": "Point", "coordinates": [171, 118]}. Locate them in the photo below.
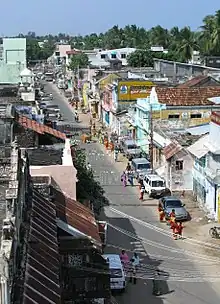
{"type": "Point", "coordinates": [206, 169]}
{"type": "Point", "coordinates": [12, 60]}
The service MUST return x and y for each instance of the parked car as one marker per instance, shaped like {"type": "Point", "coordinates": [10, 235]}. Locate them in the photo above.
{"type": "Point", "coordinates": [117, 273]}
{"type": "Point", "coordinates": [168, 203]}
{"type": "Point", "coordinates": [153, 183]}
{"type": "Point", "coordinates": [130, 149]}
{"type": "Point", "coordinates": [139, 166]}
{"type": "Point", "coordinates": [159, 194]}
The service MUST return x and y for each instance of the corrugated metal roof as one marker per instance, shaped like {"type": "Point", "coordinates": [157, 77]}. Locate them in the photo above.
{"type": "Point", "coordinates": [200, 148]}
{"type": "Point", "coordinates": [172, 149]}
{"type": "Point", "coordinates": [76, 215]}
{"type": "Point", "coordinates": [41, 283]}
{"type": "Point", "coordinates": [198, 130]}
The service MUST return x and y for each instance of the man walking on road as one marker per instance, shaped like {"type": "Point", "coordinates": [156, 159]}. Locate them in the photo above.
{"type": "Point", "coordinates": [135, 261]}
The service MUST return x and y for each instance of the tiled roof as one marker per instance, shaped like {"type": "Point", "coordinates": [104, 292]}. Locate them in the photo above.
{"type": "Point", "coordinates": [194, 81]}
{"type": "Point", "coordinates": [41, 283]}
{"type": "Point", "coordinates": [45, 156]}
{"type": "Point", "coordinates": [186, 96]}
{"type": "Point", "coordinates": [76, 215]}
{"type": "Point", "coordinates": [38, 128]}
{"type": "Point", "coordinates": [172, 149]}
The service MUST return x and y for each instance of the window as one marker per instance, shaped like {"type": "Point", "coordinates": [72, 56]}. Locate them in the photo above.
{"type": "Point", "coordinates": [103, 56]}
{"type": "Point", "coordinates": [179, 165]}
{"type": "Point", "coordinates": [113, 56]}
{"type": "Point", "coordinates": [217, 61]}
{"type": "Point", "coordinates": [157, 184]}
{"type": "Point", "coordinates": [196, 115]}
{"type": "Point", "coordinates": [173, 116]}
{"type": "Point", "coordinates": [210, 61]}
{"type": "Point", "coordinates": [123, 56]}
{"type": "Point", "coordinates": [115, 273]}
{"type": "Point", "coordinates": [57, 54]}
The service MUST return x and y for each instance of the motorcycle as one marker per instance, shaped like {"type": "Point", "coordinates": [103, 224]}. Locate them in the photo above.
{"type": "Point", "coordinates": [214, 232]}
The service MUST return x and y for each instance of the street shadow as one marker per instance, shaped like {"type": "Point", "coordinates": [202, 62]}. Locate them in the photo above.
{"type": "Point", "coordinates": [141, 292]}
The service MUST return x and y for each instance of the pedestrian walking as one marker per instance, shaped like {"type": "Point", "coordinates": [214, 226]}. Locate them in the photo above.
{"type": "Point", "coordinates": [175, 230]}
{"type": "Point", "coordinates": [124, 179]}
{"type": "Point", "coordinates": [116, 155]}
{"type": "Point", "coordinates": [156, 284]}
{"type": "Point", "coordinates": [142, 190]}
{"type": "Point", "coordinates": [128, 168]}
{"type": "Point", "coordinates": [124, 259]}
{"type": "Point", "coordinates": [179, 230]}
{"type": "Point", "coordinates": [135, 262]}
{"type": "Point", "coordinates": [131, 178]}
{"type": "Point", "coordinates": [161, 213]}
{"type": "Point", "coordinates": [172, 219]}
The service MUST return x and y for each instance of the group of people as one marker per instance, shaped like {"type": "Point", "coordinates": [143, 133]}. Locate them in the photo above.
{"type": "Point", "coordinates": [127, 176]}
{"type": "Point", "coordinates": [130, 265]}
{"type": "Point", "coordinates": [176, 226]}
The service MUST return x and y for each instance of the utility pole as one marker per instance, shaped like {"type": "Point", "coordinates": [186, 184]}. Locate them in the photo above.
{"type": "Point", "coordinates": [151, 138]}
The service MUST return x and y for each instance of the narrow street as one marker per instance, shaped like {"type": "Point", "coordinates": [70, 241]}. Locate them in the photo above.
{"type": "Point", "coordinates": [156, 250]}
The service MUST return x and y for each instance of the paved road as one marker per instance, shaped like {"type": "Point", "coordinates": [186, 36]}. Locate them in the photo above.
{"type": "Point", "coordinates": [65, 108]}
{"type": "Point", "coordinates": [172, 262]}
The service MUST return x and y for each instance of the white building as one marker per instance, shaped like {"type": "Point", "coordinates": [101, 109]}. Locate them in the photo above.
{"type": "Point", "coordinates": [206, 169]}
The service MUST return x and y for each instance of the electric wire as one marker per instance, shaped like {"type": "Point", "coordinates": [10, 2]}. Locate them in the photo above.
{"type": "Point", "coordinates": [164, 247]}
{"type": "Point", "coordinates": [165, 232]}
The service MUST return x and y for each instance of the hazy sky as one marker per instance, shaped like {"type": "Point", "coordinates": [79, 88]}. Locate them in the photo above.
{"type": "Point", "coordinates": [86, 16]}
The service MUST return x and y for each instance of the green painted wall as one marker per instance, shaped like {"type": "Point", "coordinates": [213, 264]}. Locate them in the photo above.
{"type": "Point", "coordinates": [14, 60]}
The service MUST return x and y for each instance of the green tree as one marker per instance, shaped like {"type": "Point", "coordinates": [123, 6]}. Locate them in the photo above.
{"type": "Point", "coordinates": [87, 188]}
{"type": "Point", "coordinates": [35, 52]}
{"type": "Point", "coordinates": [210, 35]}
{"type": "Point", "coordinates": [80, 60]}
{"type": "Point", "coordinates": [140, 58]}
{"type": "Point", "coordinates": [187, 44]}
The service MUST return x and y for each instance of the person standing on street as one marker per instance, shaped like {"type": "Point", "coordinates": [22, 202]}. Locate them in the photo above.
{"type": "Point", "coordinates": [135, 262]}
{"type": "Point", "coordinates": [131, 178]}
{"type": "Point", "coordinates": [142, 190]}
{"type": "Point", "coordinates": [124, 179]}
{"type": "Point", "coordinates": [116, 155]}
{"type": "Point", "coordinates": [124, 259]}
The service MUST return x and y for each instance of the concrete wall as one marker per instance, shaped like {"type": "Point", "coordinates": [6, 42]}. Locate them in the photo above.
{"type": "Point", "coordinates": [63, 177]}
{"type": "Point", "coordinates": [14, 51]}
{"type": "Point", "coordinates": [174, 69]}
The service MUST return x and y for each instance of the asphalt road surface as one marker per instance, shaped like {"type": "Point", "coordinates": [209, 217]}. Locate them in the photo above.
{"type": "Point", "coordinates": [131, 229]}
{"type": "Point", "coordinates": [65, 108]}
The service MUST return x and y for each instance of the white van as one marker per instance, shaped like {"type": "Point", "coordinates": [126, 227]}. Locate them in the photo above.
{"type": "Point", "coordinates": [153, 182]}
{"type": "Point", "coordinates": [117, 274]}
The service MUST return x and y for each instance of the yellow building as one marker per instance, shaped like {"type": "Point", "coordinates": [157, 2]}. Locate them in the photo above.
{"type": "Point", "coordinates": [103, 82]}
{"type": "Point", "coordinates": [191, 117]}
{"type": "Point", "coordinates": [131, 90]}
{"type": "Point", "coordinates": [191, 106]}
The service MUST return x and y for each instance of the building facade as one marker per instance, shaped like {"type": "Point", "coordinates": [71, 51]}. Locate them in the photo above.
{"type": "Point", "coordinates": [206, 169]}
{"type": "Point", "coordinates": [13, 60]}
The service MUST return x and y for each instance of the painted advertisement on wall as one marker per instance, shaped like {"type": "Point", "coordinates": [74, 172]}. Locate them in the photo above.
{"type": "Point", "coordinates": [129, 91]}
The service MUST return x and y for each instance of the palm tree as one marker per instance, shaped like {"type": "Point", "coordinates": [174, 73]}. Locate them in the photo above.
{"type": "Point", "coordinates": [206, 36]}
{"type": "Point", "coordinates": [187, 44]}
{"type": "Point", "coordinates": [216, 33]}
{"type": "Point", "coordinates": [159, 36]}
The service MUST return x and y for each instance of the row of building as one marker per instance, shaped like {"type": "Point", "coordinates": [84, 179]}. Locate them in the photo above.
{"type": "Point", "coordinates": [51, 248]}
{"type": "Point", "coordinates": [182, 119]}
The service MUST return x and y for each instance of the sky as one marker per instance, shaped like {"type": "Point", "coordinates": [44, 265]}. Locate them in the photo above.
{"type": "Point", "coordinates": [95, 16]}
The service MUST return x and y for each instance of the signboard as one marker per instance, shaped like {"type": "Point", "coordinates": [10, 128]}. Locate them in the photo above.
{"type": "Point", "coordinates": [129, 91]}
